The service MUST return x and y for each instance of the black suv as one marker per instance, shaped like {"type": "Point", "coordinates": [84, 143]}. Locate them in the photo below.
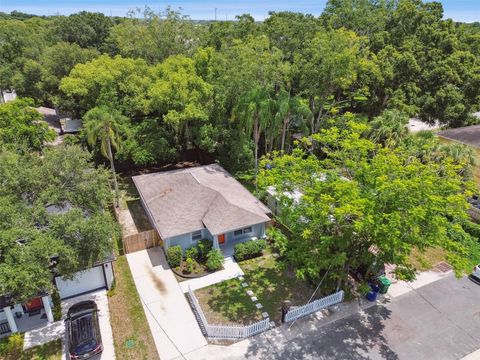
{"type": "Point", "coordinates": [83, 331]}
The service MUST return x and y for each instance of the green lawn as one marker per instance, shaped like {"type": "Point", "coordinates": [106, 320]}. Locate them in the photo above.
{"type": "Point", "coordinates": [12, 349]}
{"type": "Point", "coordinates": [271, 283]}
{"type": "Point", "coordinates": [228, 303]}
{"type": "Point", "coordinates": [131, 333]}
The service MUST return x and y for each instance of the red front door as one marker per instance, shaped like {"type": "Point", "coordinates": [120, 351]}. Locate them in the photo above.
{"type": "Point", "coordinates": [221, 239]}
{"type": "Point", "coordinates": [33, 304]}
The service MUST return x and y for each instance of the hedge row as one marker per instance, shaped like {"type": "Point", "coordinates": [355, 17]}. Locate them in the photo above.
{"type": "Point", "coordinates": [249, 249]}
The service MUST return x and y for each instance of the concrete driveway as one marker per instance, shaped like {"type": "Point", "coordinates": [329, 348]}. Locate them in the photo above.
{"type": "Point", "coordinates": [101, 299]}
{"type": "Point", "coordinates": [172, 323]}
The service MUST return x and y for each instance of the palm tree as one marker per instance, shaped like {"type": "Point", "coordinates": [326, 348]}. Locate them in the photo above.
{"type": "Point", "coordinates": [390, 128]}
{"type": "Point", "coordinates": [290, 108]}
{"type": "Point", "coordinates": [253, 111]}
{"type": "Point", "coordinates": [105, 126]}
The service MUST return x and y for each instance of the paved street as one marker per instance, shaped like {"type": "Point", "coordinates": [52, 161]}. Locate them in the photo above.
{"type": "Point", "coordinates": [437, 321]}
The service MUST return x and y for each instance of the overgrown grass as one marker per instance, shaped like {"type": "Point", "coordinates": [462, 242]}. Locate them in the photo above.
{"type": "Point", "coordinates": [11, 348]}
{"type": "Point", "coordinates": [425, 261]}
{"type": "Point", "coordinates": [131, 334]}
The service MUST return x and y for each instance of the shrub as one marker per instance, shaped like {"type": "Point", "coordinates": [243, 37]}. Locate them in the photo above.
{"type": "Point", "coordinates": [249, 249]}
{"type": "Point", "coordinates": [11, 347]}
{"type": "Point", "coordinates": [189, 265]}
{"type": "Point", "coordinates": [214, 260]}
{"type": "Point", "coordinates": [174, 255]}
{"type": "Point", "coordinates": [204, 246]}
{"type": "Point", "coordinates": [279, 240]}
{"type": "Point", "coordinates": [57, 306]}
{"type": "Point", "coordinates": [192, 253]}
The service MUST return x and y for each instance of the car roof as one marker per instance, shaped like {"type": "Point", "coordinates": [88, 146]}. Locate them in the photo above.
{"type": "Point", "coordinates": [82, 306]}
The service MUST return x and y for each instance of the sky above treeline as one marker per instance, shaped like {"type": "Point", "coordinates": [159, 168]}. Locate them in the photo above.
{"type": "Point", "coordinates": [458, 10]}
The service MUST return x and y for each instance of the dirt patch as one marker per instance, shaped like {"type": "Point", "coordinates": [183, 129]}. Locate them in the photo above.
{"type": "Point", "coordinates": [131, 214]}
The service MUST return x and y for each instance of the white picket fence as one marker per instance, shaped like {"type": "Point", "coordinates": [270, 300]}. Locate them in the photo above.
{"type": "Point", "coordinates": [300, 311]}
{"type": "Point", "coordinates": [226, 331]}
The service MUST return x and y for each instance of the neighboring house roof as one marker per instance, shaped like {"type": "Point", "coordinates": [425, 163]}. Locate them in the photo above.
{"type": "Point", "coordinates": [186, 200]}
{"type": "Point", "coordinates": [469, 135]}
{"type": "Point", "coordinates": [9, 96]}
{"type": "Point", "coordinates": [71, 126]}
{"type": "Point", "coordinates": [51, 117]}
{"type": "Point", "coordinates": [415, 125]}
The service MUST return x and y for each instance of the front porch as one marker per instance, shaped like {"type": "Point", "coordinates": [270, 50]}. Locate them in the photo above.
{"type": "Point", "coordinates": [226, 242]}
{"type": "Point", "coordinates": [228, 248]}
{"type": "Point", "coordinates": [34, 314]}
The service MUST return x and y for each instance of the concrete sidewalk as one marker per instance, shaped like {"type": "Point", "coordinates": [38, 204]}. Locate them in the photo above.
{"type": "Point", "coordinates": [230, 270]}
{"type": "Point", "coordinates": [172, 323]}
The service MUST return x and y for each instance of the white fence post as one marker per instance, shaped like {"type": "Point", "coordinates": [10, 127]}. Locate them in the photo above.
{"type": "Point", "coordinates": [314, 306]}
{"type": "Point", "coordinates": [226, 331]}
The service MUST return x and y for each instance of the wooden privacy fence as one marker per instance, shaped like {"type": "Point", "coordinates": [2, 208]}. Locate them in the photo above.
{"type": "Point", "coordinates": [141, 241]}
{"type": "Point", "coordinates": [225, 331]}
{"type": "Point", "coordinates": [300, 311]}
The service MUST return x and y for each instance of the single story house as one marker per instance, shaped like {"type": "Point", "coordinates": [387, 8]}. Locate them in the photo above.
{"type": "Point", "coordinates": [191, 204]}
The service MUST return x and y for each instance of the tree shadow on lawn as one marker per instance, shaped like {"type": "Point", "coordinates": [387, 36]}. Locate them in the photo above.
{"type": "Point", "coordinates": [357, 337]}
{"type": "Point", "coordinates": [229, 300]}
{"type": "Point", "coordinates": [273, 284]}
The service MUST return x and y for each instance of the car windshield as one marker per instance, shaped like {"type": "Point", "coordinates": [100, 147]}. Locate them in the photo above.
{"type": "Point", "coordinates": [83, 334]}
{"type": "Point", "coordinates": [85, 347]}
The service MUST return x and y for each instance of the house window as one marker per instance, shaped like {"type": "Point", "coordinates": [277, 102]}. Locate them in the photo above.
{"type": "Point", "coordinates": [197, 235]}
{"type": "Point", "coordinates": [243, 231]}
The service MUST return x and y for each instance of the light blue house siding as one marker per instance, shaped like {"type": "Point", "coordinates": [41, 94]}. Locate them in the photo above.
{"type": "Point", "coordinates": [185, 240]}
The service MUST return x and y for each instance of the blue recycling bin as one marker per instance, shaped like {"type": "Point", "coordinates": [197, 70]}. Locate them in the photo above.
{"type": "Point", "coordinates": [373, 294]}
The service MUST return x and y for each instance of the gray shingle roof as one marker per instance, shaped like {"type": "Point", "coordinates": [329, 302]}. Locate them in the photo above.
{"type": "Point", "coordinates": [186, 200]}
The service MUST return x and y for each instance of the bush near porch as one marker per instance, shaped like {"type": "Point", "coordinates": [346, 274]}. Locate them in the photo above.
{"type": "Point", "coordinates": [11, 348]}
{"type": "Point", "coordinates": [196, 261]}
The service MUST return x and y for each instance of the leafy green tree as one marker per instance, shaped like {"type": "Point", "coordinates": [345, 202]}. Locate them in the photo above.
{"type": "Point", "coordinates": [79, 232]}
{"type": "Point", "coordinates": [115, 82]}
{"type": "Point", "coordinates": [290, 32]}
{"type": "Point", "coordinates": [179, 95]}
{"type": "Point", "coordinates": [21, 123]}
{"type": "Point", "coordinates": [106, 127]}
{"type": "Point", "coordinates": [361, 196]}
{"type": "Point", "coordinates": [327, 70]}
{"type": "Point", "coordinates": [155, 37]}
{"type": "Point", "coordinates": [86, 29]}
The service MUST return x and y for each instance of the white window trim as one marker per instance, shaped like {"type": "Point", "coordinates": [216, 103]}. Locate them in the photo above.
{"type": "Point", "coordinates": [191, 236]}
{"type": "Point", "coordinates": [250, 228]}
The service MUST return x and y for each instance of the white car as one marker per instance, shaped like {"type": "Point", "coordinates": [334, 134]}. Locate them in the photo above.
{"type": "Point", "coordinates": [475, 275]}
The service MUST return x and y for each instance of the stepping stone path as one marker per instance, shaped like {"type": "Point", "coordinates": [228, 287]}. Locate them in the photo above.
{"type": "Point", "coordinates": [255, 300]}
